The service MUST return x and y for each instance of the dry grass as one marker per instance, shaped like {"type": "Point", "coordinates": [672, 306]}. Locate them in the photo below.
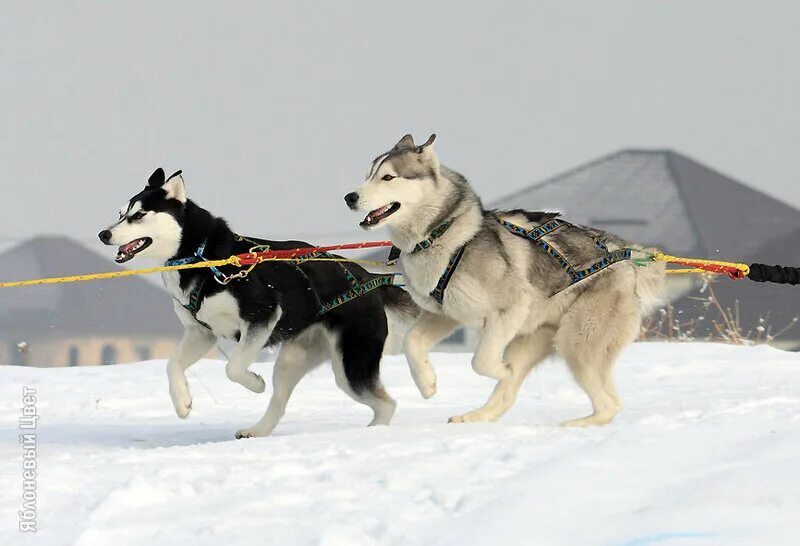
{"type": "Point", "coordinates": [719, 323]}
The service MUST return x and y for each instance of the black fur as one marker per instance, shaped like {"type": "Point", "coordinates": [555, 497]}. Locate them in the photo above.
{"type": "Point", "coordinates": [360, 325]}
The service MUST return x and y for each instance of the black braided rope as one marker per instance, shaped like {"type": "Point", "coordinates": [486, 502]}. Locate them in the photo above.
{"type": "Point", "coordinates": [774, 273]}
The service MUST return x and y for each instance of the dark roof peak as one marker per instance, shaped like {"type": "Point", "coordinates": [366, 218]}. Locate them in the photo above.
{"type": "Point", "coordinates": [673, 201]}
{"type": "Point", "coordinates": [127, 306]}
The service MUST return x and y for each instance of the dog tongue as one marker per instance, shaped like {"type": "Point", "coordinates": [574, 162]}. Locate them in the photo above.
{"type": "Point", "coordinates": [128, 247]}
{"type": "Point", "coordinates": [378, 212]}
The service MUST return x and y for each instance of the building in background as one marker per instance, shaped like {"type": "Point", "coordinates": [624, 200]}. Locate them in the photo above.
{"type": "Point", "coordinates": [664, 199]}
{"type": "Point", "coordinates": [79, 324]}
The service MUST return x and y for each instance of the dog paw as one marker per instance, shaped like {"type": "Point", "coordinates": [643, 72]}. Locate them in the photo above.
{"type": "Point", "coordinates": [477, 416]}
{"type": "Point", "coordinates": [180, 395]}
{"type": "Point", "coordinates": [257, 384]}
{"type": "Point", "coordinates": [183, 404]}
{"type": "Point", "coordinates": [589, 421]}
{"type": "Point", "coordinates": [248, 433]}
{"type": "Point", "coordinates": [428, 390]}
{"type": "Point", "coordinates": [425, 379]}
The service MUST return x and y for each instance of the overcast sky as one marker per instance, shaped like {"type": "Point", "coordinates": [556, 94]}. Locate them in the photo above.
{"type": "Point", "coordinates": [274, 109]}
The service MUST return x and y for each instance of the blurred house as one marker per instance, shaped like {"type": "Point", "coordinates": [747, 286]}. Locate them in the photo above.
{"type": "Point", "coordinates": [79, 324]}
{"type": "Point", "coordinates": [667, 200]}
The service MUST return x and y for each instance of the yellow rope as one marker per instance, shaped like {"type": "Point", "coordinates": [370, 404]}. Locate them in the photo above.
{"type": "Point", "coordinates": [660, 256]}
{"type": "Point", "coordinates": [233, 260]}
{"type": "Point", "coordinates": [687, 270]}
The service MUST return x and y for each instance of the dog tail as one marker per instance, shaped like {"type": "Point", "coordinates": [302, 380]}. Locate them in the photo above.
{"type": "Point", "coordinates": [401, 313]}
{"type": "Point", "coordinates": [651, 286]}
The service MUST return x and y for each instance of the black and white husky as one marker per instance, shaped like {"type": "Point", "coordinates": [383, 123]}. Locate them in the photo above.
{"type": "Point", "coordinates": [533, 283]}
{"type": "Point", "coordinates": [278, 302]}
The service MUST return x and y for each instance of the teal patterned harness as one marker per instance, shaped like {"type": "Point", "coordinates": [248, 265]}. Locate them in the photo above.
{"type": "Point", "coordinates": [535, 234]}
{"type": "Point", "coordinates": [357, 289]}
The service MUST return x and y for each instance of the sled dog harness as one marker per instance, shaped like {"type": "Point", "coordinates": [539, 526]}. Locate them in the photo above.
{"type": "Point", "coordinates": [356, 290]}
{"type": "Point", "coordinates": [535, 235]}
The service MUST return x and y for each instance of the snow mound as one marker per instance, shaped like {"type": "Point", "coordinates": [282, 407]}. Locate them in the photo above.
{"type": "Point", "coordinates": [705, 452]}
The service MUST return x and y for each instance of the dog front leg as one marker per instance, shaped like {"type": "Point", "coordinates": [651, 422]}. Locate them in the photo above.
{"type": "Point", "coordinates": [523, 353]}
{"type": "Point", "coordinates": [429, 330]}
{"type": "Point", "coordinates": [195, 343]}
{"type": "Point", "coordinates": [499, 329]}
{"type": "Point", "coordinates": [252, 339]}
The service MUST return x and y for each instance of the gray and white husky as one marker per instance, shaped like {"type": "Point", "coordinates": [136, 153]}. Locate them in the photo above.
{"type": "Point", "coordinates": [532, 283]}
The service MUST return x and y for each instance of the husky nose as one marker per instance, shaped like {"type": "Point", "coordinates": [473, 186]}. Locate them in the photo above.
{"type": "Point", "coordinates": [105, 236]}
{"type": "Point", "coordinates": [351, 199]}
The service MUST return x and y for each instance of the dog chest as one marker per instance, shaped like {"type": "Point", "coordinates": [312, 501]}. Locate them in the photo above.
{"type": "Point", "coordinates": [172, 282]}
{"type": "Point", "coordinates": [221, 313]}
{"type": "Point", "coordinates": [421, 273]}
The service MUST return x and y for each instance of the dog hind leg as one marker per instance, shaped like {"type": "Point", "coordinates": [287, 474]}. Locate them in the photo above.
{"type": "Point", "coordinates": [593, 333]}
{"type": "Point", "coordinates": [295, 360]}
{"type": "Point", "coordinates": [356, 359]}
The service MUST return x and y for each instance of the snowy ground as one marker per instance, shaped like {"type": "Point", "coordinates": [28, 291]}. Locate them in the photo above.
{"type": "Point", "coordinates": [706, 452]}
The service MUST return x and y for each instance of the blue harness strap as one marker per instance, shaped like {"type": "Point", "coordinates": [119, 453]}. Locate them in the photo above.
{"type": "Point", "coordinates": [358, 290]}
{"type": "Point", "coordinates": [437, 232]}
{"type": "Point", "coordinates": [195, 258]}
{"type": "Point", "coordinates": [438, 292]}
{"type": "Point", "coordinates": [194, 304]}
{"type": "Point", "coordinates": [535, 234]}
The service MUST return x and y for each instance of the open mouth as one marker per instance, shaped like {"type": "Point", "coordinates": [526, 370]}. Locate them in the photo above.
{"type": "Point", "coordinates": [378, 215]}
{"type": "Point", "coordinates": [129, 250]}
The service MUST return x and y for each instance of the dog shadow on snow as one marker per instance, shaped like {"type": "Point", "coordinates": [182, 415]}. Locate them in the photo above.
{"type": "Point", "coordinates": [147, 436]}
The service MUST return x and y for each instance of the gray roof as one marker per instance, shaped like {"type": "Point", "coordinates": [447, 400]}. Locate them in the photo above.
{"type": "Point", "coordinates": [665, 199]}
{"type": "Point", "coordinates": [126, 306]}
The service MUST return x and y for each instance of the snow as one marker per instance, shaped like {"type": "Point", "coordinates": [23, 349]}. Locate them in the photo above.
{"type": "Point", "coordinates": [705, 452]}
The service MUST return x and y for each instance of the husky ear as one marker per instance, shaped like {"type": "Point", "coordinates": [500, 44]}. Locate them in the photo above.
{"type": "Point", "coordinates": [427, 145]}
{"type": "Point", "coordinates": [175, 187]}
{"type": "Point", "coordinates": [405, 143]}
{"type": "Point", "coordinates": [156, 179]}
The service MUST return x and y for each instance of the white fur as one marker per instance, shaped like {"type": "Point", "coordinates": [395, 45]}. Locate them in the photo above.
{"type": "Point", "coordinates": [196, 342]}
{"type": "Point", "coordinates": [175, 188]}
{"type": "Point", "coordinates": [221, 312]}
{"type": "Point", "coordinates": [161, 227]}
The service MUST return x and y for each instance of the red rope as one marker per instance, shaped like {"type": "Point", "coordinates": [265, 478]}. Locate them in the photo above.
{"type": "Point", "coordinates": [255, 257]}
{"type": "Point", "coordinates": [729, 270]}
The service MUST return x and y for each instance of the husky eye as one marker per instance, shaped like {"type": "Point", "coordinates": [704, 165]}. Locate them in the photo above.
{"type": "Point", "coordinates": [138, 216]}
{"type": "Point", "coordinates": [387, 177]}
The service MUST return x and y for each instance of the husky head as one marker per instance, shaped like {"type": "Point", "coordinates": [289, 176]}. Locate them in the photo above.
{"type": "Point", "coordinates": [150, 224]}
{"type": "Point", "coordinates": [397, 183]}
